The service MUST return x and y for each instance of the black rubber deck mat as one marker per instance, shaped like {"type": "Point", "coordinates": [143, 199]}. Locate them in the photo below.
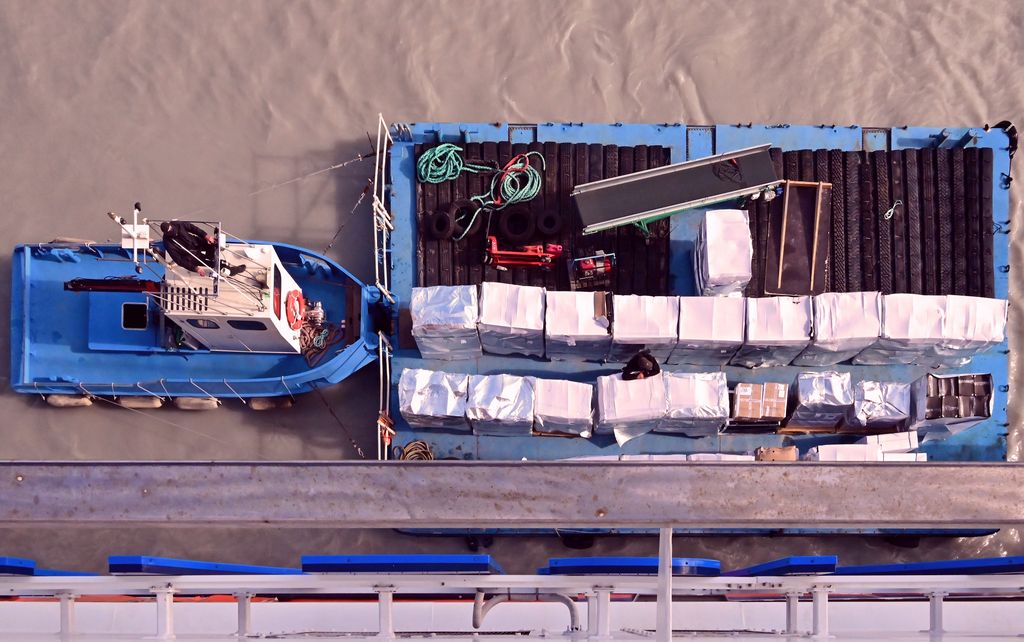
{"type": "Point", "coordinates": [929, 222]}
{"type": "Point", "coordinates": [971, 215]}
{"type": "Point", "coordinates": [883, 221]}
{"type": "Point", "coordinates": [837, 259]}
{"type": "Point", "coordinates": [868, 230]}
{"type": "Point", "coordinates": [944, 214]}
{"type": "Point", "coordinates": [959, 224]}
{"type": "Point", "coordinates": [851, 177]}
{"type": "Point", "coordinates": [898, 223]}
{"type": "Point", "coordinates": [986, 223]}
{"type": "Point", "coordinates": [912, 207]}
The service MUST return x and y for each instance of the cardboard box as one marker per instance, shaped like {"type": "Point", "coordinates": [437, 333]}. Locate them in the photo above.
{"type": "Point", "coordinates": [511, 319]}
{"type": "Point", "coordinates": [644, 322]}
{"type": "Point", "coordinates": [784, 453]}
{"type": "Point", "coordinates": [939, 410]}
{"type": "Point", "coordinates": [577, 326]}
{"type": "Point", "coordinates": [711, 330]}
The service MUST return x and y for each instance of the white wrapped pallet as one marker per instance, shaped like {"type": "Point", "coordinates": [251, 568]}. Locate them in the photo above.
{"type": "Point", "coordinates": [512, 319]}
{"type": "Point", "coordinates": [971, 325]}
{"type": "Point", "coordinates": [432, 399]}
{"type": "Point", "coordinates": [629, 408]}
{"type": "Point", "coordinates": [778, 329]}
{"type": "Point", "coordinates": [844, 324]}
{"type": "Point", "coordinates": [563, 407]}
{"type": "Point", "coordinates": [444, 321]}
{"type": "Point", "coordinates": [576, 326]}
{"type": "Point", "coordinates": [500, 405]}
{"type": "Point", "coordinates": [719, 457]}
{"type": "Point", "coordinates": [698, 403]}
{"type": "Point", "coordinates": [644, 322]}
{"type": "Point", "coordinates": [895, 442]}
{"type": "Point", "coordinates": [911, 330]}
{"type": "Point", "coordinates": [723, 253]}
{"type": "Point", "coordinates": [845, 452]}
{"type": "Point", "coordinates": [710, 330]}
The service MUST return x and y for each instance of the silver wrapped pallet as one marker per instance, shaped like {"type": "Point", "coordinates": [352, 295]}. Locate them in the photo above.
{"type": "Point", "coordinates": [576, 326]}
{"type": "Point", "coordinates": [500, 405]}
{"type": "Point", "coordinates": [710, 330]}
{"type": "Point", "coordinates": [512, 319]}
{"type": "Point", "coordinates": [778, 329]}
{"type": "Point", "coordinates": [723, 253]}
{"type": "Point", "coordinates": [431, 399]}
{"type": "Point", "coordinates": [644, 322]}
{"type": "Point", "coordinates": [844, 324]}
{"type": "Point", "coordinates": [911, 331]}
{"type": "Point", "coordinates": [629, 409]}
{"type": "Point", "coordinates": [444, 322]}
{"type": "Point", "coordinates": [698, 403]}
{"type": "Point", "coordinates": [823, 399]}
{"type": "Point", "coordinates": [563, 407]}
{"type": "Point", "coordinates": [880, 405]}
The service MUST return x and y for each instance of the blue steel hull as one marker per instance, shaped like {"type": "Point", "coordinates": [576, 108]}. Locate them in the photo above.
{"type": "Point", "coordinates": [60, 343]}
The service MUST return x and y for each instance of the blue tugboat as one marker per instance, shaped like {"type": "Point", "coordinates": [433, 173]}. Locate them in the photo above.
{"type": "Point", "coordinates": [130, 323]}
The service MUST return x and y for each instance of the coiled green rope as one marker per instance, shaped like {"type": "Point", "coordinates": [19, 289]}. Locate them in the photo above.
{"type": "Point", "coordinates": [444, 163]}
{"type": "Point", "coordinates": [517, 182]}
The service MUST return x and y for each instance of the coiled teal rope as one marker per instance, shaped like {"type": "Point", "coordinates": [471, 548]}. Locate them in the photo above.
{"type": "Point", "coordinates": [444, 163]}
{"type": "Point", "coordinates": [517, 182]}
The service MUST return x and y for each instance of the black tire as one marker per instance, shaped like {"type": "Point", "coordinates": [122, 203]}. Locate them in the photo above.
{"type": "Point", "coordinates": [440, 225]}
{"type": "Point", "coordinates": [516, 224]}
{"type": "Point", "coordinates": [460, 213]}
{"type": "Point", "coordinates": [549, 222]}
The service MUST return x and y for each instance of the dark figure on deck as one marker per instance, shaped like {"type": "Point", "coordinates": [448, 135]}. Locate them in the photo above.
{"type": "Point", "coordinates": [193, 249]}
{"type": "Point", "coordinates": [641, 366]}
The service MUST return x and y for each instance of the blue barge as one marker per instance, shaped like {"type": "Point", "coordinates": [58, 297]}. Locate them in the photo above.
{"type": "Point", "coordinates": [800, 146]}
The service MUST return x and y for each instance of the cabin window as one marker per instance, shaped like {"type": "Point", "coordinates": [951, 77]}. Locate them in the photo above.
{"type": "Point", "coordinates": [134, 316]}
{"type": "Point", "coordinates": [203, 324]}
{"type": "Point", "coordinates": [277, 291]}
{"type": "Point", "coordinates": [247, 324]}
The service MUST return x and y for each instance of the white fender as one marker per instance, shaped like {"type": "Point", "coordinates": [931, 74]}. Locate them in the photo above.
{"type": "Point", "coordinates": [141, 402]}
{"type": "Point", "coordinates": [197, 403]}
{"type": "Point", "coordinates": [68, 401]}
{"type": "Point", "coordinates": [270, 403]}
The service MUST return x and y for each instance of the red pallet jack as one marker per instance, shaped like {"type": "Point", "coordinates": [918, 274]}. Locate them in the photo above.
{"type": "Point", "coordinates": [538, 256]}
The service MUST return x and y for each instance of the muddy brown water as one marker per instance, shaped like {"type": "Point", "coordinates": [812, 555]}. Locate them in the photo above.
{"type": "Point", "coordinates": [190, 107]}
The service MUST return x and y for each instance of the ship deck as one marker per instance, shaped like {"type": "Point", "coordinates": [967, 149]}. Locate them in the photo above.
{"type": "Point", "coordinates": [950, 236]}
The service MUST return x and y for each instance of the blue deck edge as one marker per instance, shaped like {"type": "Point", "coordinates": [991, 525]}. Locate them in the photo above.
{"type": "Point", "coordinates": [983, 442]}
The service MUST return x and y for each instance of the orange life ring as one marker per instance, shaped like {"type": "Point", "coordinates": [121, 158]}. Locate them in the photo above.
{"type": "Point", "coordinates": [295, 305]}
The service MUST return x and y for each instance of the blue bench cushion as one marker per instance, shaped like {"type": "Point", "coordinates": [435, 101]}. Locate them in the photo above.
{"type": "Point", "coordinates": [399, 564]}
{"type": "Point", "coordinates": [628, 566]}
{"type": "Point", "coordinates": [16, 566]}
{"type": "Point", "coordinates": [943, 567]}
{"type": "Point", "coordinates": [146, 565]}
{"type": "Point", "coordinates": [796, 565]}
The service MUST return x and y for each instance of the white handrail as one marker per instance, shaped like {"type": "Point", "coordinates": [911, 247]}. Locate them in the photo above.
{"type": "Point", "coordinates": [382, 222]}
